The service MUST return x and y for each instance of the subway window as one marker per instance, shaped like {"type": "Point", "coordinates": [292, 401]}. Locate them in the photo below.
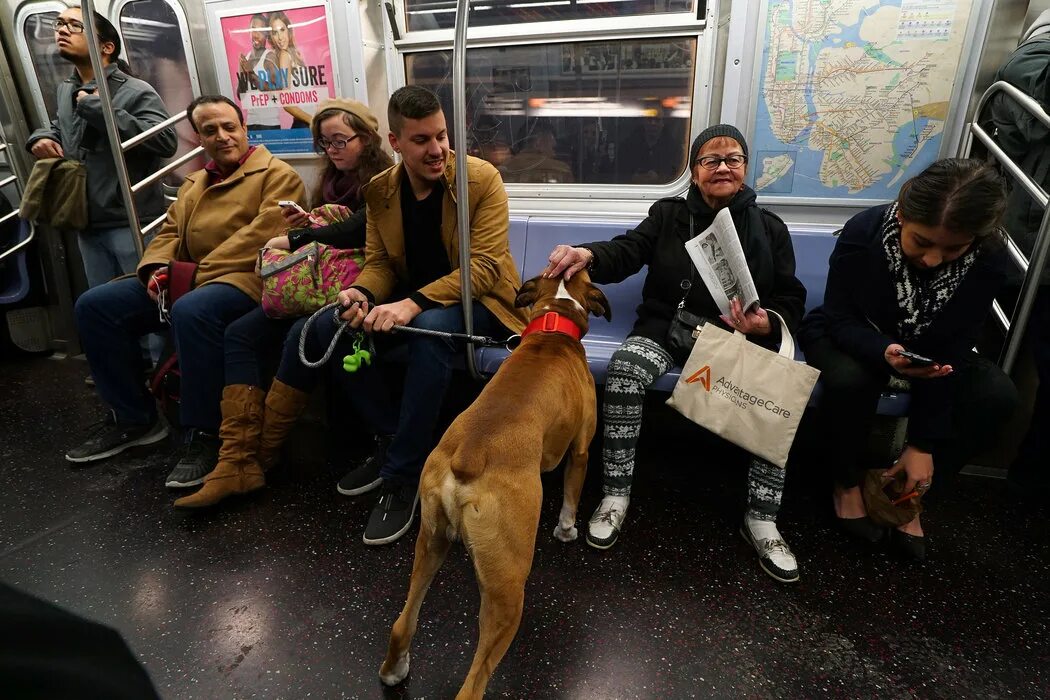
{"type": "Point", "coordinates": [38, 30]}
{"type": "Point", "coordinates": [441, 14]}
{"type": "Point", "coordinates": [612, 112]}
{"type": "Point", "coordinates": [154, 48]}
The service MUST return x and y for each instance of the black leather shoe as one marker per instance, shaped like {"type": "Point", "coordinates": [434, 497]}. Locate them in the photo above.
{"type": "Point", "coordinates": [863, 528]}
{"type": "Point", "coordinates": [910, 547]}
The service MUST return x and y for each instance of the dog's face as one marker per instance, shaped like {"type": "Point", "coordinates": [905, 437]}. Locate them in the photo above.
{"type": "Point", "coordinates": [573, 298]}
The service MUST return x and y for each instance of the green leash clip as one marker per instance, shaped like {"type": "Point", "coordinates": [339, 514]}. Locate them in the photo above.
{"type": "Point", "coordinates": [360, 356]}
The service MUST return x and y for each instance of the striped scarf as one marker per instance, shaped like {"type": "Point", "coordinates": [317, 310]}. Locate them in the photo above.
{"type": "Point", "coordinates": [921, 296]}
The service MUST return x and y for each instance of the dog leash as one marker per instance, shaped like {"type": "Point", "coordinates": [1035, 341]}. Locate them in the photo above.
{"type": "Point", "coordinates": [482, 340]}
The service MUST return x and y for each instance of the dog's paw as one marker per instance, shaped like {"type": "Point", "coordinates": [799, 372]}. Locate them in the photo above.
{"type": "Point", "coordinates": [394, 673]}
{"type": "Point", "coordinates": [566, 535]}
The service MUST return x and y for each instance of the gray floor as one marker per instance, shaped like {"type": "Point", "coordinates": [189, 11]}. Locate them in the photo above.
{"type": "Point", "coordinates": [276, 596]}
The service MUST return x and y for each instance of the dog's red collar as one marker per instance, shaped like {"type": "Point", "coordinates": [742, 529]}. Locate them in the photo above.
{"type": "Point", "coordinates": [553, 322]}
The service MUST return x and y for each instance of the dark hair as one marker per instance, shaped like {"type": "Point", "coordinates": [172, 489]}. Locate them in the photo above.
{"type": "Point", "coordinates": [962, 195]}
{"type": "Point", "coordinates": [208, 100]}
{"type": "Point", "coordinates": [410, 102]}
{"type": "Point", "coordinates": [372, 161]}
{"type": "Point", "coordinates": [261, 16]}
{"type": "Point", "coordinates": [107, 33]}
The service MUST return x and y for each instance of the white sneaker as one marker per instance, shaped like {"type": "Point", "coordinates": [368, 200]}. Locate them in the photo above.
{"type": "Point", "coordinates": [604, 526]}
{"type": "Point", "coordinates": [774, 555]}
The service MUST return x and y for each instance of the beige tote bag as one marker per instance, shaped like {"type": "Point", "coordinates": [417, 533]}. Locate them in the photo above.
{"type": "Point", "coordinates": [748, 395]}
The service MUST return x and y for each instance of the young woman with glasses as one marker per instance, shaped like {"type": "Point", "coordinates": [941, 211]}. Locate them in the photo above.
{"type": "Point", "coordinates": [719, 166]}
{"type": "Point", "coordinates": [346, 133]}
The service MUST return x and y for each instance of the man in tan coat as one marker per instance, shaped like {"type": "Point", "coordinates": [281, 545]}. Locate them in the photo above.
{"type": "Point", "coordinates": [223, 215]}
{"type": "Point", "coordinates": [411, 278]}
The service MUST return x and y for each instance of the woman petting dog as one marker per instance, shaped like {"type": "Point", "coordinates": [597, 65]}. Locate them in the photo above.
{"type": "Point", "coordinates": [916, 276]}
{"type": "Point", "coordinates": [718, 159]}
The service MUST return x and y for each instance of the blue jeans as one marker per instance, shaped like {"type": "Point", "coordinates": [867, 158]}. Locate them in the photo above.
{"type": "Point", "coordinates": [429, 373]}
{"type": "Point", "coordinates": [112, 317]}
{"type": "Point", "coordinates": [108, 253]}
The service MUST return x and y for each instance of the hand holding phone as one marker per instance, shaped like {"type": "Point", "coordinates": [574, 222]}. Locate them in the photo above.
{"type": "Point", "coordinates": [916, 359]}
{"type": "Point", "coordinates": [289, 204]}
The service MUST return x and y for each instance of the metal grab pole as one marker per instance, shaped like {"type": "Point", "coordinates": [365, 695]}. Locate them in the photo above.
{"type": "Point", "coordinates": [112, 133]}
{"type": "Point", "coordinates": [459, 129]}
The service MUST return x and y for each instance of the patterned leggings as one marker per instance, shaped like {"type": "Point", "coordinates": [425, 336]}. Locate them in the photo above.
{"type": "Point", "coordinates": [634, 367]}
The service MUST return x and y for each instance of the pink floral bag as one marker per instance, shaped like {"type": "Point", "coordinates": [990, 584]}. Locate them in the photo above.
{"type": "Point", "coordinates": [301, 282]}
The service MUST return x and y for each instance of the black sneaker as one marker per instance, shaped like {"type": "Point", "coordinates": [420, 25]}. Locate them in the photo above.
{"type": "Point", "coordinates": [365, 476]}
{"type": "Point", "coordinates": [198, 459]}
{"type": "Point", "coordinates": [110, 438]}
{"type": "Point", "coordinates": [393, 513]}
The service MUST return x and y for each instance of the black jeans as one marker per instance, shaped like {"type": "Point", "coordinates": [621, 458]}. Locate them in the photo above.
{"type": "Point", "coordinates": [983, 400]}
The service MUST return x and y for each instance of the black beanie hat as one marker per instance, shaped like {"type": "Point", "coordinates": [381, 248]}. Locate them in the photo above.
{"type": "Point", "coordinates": [713, 132]}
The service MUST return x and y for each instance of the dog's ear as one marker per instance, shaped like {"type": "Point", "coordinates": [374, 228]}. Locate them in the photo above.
{"type": "Point", "coordinates": [527, 294]}
{"type": "Point", "coordinates": [597, 304]}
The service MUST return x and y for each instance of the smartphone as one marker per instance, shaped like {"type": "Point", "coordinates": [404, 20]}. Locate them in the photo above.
{"type": "Point", "coordinates": [917, 360]}
{"type": "Point", "coordinates": [286, 203]}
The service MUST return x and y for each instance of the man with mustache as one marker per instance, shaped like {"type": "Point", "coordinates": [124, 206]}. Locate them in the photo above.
{"type": "Point", "coordinates": [223, 214]}
{"type": "Point", "coordinates": [411, 278]}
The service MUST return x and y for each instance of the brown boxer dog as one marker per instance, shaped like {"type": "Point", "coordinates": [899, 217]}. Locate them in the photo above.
{"type": "Point", "coordinates": [482, 484]}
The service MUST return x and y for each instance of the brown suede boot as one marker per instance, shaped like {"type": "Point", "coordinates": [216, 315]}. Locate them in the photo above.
{"type": "Point", "coordinates": [238, 470]}
{"type": "Point", "coordinates": [284, 404]}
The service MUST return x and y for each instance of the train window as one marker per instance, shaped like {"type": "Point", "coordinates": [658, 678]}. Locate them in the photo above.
{"type": "Point", "coordinates": [155, 42]}
{"type": "Point", "coordinates": [575, 112]}
{"type": "Point", "coordinates": [44, 62]}
{"type": "Point", "coordinates": [441, 14]}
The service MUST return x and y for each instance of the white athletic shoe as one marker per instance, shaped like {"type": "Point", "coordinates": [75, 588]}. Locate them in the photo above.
{"type": "Point", "coordinates": [604, 526]}
{"type": "Point", "coordinates": [774, 555]}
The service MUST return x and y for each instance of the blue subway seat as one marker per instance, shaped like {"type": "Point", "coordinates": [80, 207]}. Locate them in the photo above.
{"type": "Point", "coordinates": [14, 276]}
{"type": "Point", "coordinates": [537, 236]}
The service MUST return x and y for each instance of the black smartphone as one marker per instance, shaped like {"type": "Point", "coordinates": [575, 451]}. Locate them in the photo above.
{"type": "Point", "coordinates": [917, 360]}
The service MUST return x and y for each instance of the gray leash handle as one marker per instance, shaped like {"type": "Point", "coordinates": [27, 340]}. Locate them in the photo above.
{"type": "Point", "coordinates": [343, 325]}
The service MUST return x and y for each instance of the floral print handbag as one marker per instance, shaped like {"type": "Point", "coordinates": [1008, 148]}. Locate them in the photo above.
{"type": "Point", "coordinates": [301, 282]}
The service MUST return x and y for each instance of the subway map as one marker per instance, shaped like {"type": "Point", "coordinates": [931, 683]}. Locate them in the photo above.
{"type": "Point", "coordinates": [853, 94]}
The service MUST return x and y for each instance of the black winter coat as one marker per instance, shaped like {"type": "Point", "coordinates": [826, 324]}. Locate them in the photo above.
{"type": "Point", "coordinates": [861, 313]}
{"type": "Point", "coordinates": [659, 242]}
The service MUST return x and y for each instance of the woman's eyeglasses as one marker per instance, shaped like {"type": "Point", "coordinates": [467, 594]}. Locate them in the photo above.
{"type": "Point", "coordinates": [72, 25]}
{"type": "Point", "coordinates": [324, 144]}
{"type": "Point", "coordinates": [712, 162]}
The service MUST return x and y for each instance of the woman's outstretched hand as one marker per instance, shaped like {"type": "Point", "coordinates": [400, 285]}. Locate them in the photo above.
{"type": "Point", "coordinates": [568, 260]}
{"type": "Point", "coordinates": [753, 322]}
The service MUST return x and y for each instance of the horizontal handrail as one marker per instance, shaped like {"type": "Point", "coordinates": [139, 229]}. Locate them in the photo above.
{"type": "Point", "coordinates": [1000, 315]}
{"type": "Point", "coordinates": [1007, 162]}
{"type": "Point", "coordinates": [148, 228]}
{"type": "Point", "coordinates": [151, 132]}
{"type": "Point", "coordinates": [1016, 254]}
{"type": "Point", "coordinates": [8, 217]}
{"type": "Point", "coordinates": [170, 167]}
{"type": "Point", "coordinates": [8, 180]}
{"type": "Point", "coordinates": [15, 248]}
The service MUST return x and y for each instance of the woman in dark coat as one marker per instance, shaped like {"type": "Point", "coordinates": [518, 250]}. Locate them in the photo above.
{"type": "Point", "coordinates": [718, 161]}
{"type": "Point", "coordinates": [917, 275]}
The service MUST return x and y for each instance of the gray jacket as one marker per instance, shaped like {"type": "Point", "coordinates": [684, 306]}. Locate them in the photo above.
{"type": "Point", "coordinates": [81, 129]}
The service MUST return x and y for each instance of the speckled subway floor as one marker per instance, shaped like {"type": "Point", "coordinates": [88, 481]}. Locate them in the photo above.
{"type": "Point", "coordinates": [276, 596]}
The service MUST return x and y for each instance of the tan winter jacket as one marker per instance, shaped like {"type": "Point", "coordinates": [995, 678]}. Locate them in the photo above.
{"type": "Point", "coordinates": [493, 273]}
{"type": "Point", "coordinates": [221, 227]}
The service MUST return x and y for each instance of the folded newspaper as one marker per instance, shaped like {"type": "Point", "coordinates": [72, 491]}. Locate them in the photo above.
{"type": "Point", "coordinates": [720, 260]}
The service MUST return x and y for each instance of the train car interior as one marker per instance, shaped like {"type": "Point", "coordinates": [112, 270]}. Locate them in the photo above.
{"type": "Point", "coordinates": [587, 110]}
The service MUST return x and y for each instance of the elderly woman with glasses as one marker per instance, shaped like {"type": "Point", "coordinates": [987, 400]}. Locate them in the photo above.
{"type": "Point", "coordinates": [346, 135]}
{"type": "Point", "coordinates": [719, 166]}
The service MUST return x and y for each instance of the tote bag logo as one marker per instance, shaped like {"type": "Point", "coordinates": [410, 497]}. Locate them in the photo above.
{"type": "Point", "coordinates": [702, 375]}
